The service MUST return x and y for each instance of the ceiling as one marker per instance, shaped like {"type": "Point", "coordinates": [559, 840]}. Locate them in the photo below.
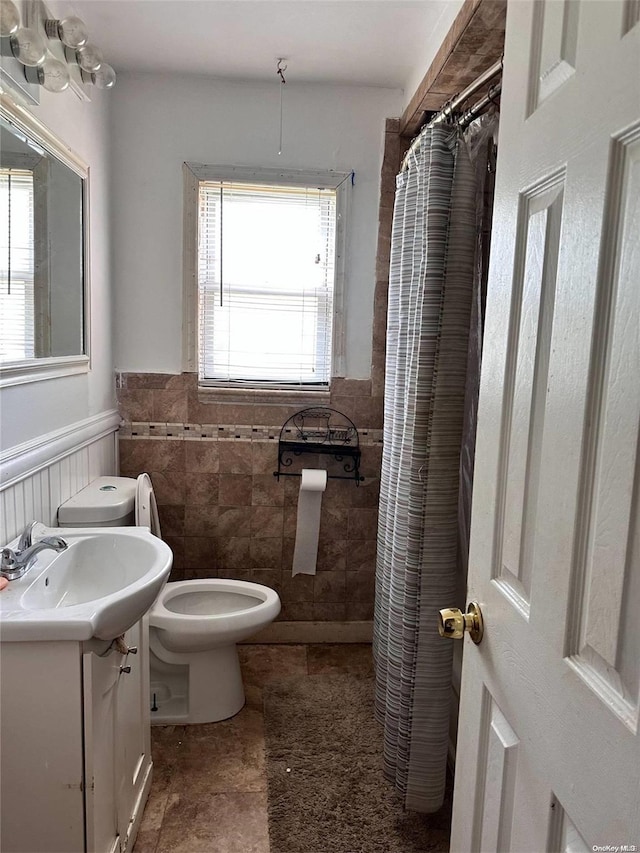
{"type": "Point", "coordinates": [357, 42]}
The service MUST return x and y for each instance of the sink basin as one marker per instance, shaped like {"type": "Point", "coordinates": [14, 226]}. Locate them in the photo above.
{"type": "Point", "coordinates": [98, 587]}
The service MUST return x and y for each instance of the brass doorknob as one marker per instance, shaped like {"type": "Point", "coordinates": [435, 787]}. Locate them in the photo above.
{"type": "Point", "coordinates": [453, 623]}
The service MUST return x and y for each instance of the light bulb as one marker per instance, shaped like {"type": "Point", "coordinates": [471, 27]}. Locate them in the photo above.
{"type": "Point", "coordinates": [104, 78]}
{"type": "Point", "coordinates": [71, 31]}
{"type": "Point", "coordinates": [53, 75]}
{"type": "Point", "coordinates": [9, 18]}
{"type": "Point", "coordinates": [89, 58]}
{"type": "Point", "coordinates": [27, 47]}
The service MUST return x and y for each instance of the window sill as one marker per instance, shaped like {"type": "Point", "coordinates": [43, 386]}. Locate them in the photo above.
{"type": "Point", "coordinates": [262, 396]}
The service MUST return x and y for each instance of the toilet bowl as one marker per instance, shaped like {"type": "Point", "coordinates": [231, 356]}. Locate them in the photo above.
{"type": "Point", "coordinates": [193, 630]}
{"type": "Point", "coordinates": [193, 625]}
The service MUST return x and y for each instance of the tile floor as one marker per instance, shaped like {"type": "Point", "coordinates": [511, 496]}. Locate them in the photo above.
{"type": "Point", "coordinates": [209, 792]}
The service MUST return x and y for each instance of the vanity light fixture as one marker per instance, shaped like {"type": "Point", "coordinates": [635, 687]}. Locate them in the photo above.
{"type": "Point", "coordinates": [42, 67]}
{"type": "Point", "coordinates": [103, 78]}
{"type": "Point", "coordinates": [9, 18]}
{"type": "Point", "coordinates": [71, 31]}
{"type": "Point", "coordinates": [52, 75]}
{"type": "Point", "coordinates": [27, 47]}
{"type": "Point", "coordinates": [89, 58]}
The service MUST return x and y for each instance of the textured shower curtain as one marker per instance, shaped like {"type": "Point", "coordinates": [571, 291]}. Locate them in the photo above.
{"type": "Point", "coordinates": [430, 294]}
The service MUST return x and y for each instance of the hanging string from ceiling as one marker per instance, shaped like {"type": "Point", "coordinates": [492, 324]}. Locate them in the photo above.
{"type": "Point", "coordinates": [280, 69]}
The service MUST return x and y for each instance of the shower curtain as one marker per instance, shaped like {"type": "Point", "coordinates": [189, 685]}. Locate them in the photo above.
{"type": "Point", "coordinates": [430, 295]}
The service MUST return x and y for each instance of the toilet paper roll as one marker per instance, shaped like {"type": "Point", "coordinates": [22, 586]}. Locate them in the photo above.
{"type": "Point", "coordinates": [312, 485]}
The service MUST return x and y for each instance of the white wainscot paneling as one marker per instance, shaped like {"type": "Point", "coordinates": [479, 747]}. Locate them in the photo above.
{"type": "Point", "coordinates": [36, 477]}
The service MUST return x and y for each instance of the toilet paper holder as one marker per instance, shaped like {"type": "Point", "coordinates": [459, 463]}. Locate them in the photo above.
{"type": "Point", "coordinates": [320, 429]}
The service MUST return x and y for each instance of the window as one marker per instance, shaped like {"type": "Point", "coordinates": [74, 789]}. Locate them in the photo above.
{"type": "Point", "coordinates": [268, 261]}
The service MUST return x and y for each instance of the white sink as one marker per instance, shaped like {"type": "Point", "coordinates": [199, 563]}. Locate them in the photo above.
{"type": "Point", "coordinates": [98, 587]}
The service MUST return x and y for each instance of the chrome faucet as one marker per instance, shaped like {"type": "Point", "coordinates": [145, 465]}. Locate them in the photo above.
{"type": "Point", "coordinates": [14, 564]}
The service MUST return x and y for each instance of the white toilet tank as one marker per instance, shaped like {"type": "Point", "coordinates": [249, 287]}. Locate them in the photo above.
{"type": "Point", "coordinates": [105, 502]}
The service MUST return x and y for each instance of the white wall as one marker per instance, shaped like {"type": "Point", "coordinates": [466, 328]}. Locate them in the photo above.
{"type": "Point", "coordinates": [31, 410]}
{"type": "Point", "coordinates": [161, 121]}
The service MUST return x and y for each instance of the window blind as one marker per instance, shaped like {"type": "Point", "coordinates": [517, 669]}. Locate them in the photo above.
{"type": "Point", "coordinates": [266, 262]}
{"type": "Point", "coordinates": [16, 265]}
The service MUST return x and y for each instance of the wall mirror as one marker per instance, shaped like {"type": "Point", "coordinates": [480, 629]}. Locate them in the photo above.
{"type": "Point", "coordinates": [43, 252]}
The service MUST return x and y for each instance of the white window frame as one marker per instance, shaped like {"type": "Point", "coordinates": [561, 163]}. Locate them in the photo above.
{"type": "Point", "coordinates": [193, 174]}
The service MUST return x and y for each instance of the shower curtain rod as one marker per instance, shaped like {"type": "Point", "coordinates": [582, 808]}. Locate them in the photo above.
{"type": "Point", "coordinates": [451, 106]}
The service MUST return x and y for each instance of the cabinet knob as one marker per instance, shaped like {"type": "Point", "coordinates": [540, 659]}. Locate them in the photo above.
{"type": "Point", "coordinates": [125, 669]}
{"type": "Point", "coordinates": [132, 650]}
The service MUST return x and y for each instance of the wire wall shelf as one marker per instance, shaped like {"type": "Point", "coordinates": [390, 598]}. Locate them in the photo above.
{"type": "Point", "coordinates": [322, 430]}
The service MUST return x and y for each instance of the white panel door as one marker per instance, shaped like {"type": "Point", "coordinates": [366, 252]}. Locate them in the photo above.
{"type": "Point", "coordinates": [548, 753]}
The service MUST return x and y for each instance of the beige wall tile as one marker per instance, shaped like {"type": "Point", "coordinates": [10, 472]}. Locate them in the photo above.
{"type": "Point", "coordinates": [298, 588]}
{"type": "Point", "coordinates": [171, 520]}
{"type": "Point", "coordinates": [267, 522]}
{"type": "Point", "coordinates": [169, 487]}
{"type": "Point", "coordinates": [361, 585]}
{"type": "Point", "coordinates": [361, 555]}
{"type": "Point", "coordinates": [333, 522]}
{"type": "Point", "coordinates": [264, 456]}
{"type": "Point", "coordinates": [200, 520]}
{"type": "Point", "coordinates": [202, 457]}
{"type": "Point", "coordinates": [266, 553]}
{"type": "Point", "coordinates": [234, 521]}
{"type": "Point", "coordinates": [235, 457]}
{"type": "Point", "coordinates": [363, 523]}
{"type": "Point", "coordinates": [170, 406]}
{"type": "Point", "coordinates": [199, 412]}
{"type": "Point", "coordinates": [267, 490]}
{"type": "Point", "coordinates": [201, 489]}
{"type": "Point", "coordinates": [235, 490]}
{"type": "Point", "coordinates": [329, 612]}
{"type": "Point", "coordinates": [135, 405]}
{"type": "Point", "coordinates": [200, 553]}
{"type": "Point", "coordinates": [329, 587]}
{"type": "Point", "coordinates": [332, 555]}
{"type": "Point", "coordinates": [233, 552]}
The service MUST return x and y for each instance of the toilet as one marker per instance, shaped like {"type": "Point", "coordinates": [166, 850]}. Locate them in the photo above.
{"type": "Point", "coordinates": [193, 625]}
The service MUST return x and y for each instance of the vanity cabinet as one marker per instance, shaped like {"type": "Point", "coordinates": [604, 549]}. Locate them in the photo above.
{"type": "Point", "coordinates": [75, 758]}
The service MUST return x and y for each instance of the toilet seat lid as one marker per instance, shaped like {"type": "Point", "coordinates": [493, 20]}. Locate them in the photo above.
{"type": "Point", "coordinates": [146, 506]}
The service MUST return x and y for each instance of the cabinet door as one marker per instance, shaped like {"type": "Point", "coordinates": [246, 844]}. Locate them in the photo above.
{"type": "Point", "coordinates": [133, 752]}
{"type": "Point", "coordinates": [101, 678]}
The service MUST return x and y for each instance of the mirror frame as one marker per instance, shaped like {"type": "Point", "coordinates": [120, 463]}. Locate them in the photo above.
{"type": "Point", "coordinates": [37, 369]}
